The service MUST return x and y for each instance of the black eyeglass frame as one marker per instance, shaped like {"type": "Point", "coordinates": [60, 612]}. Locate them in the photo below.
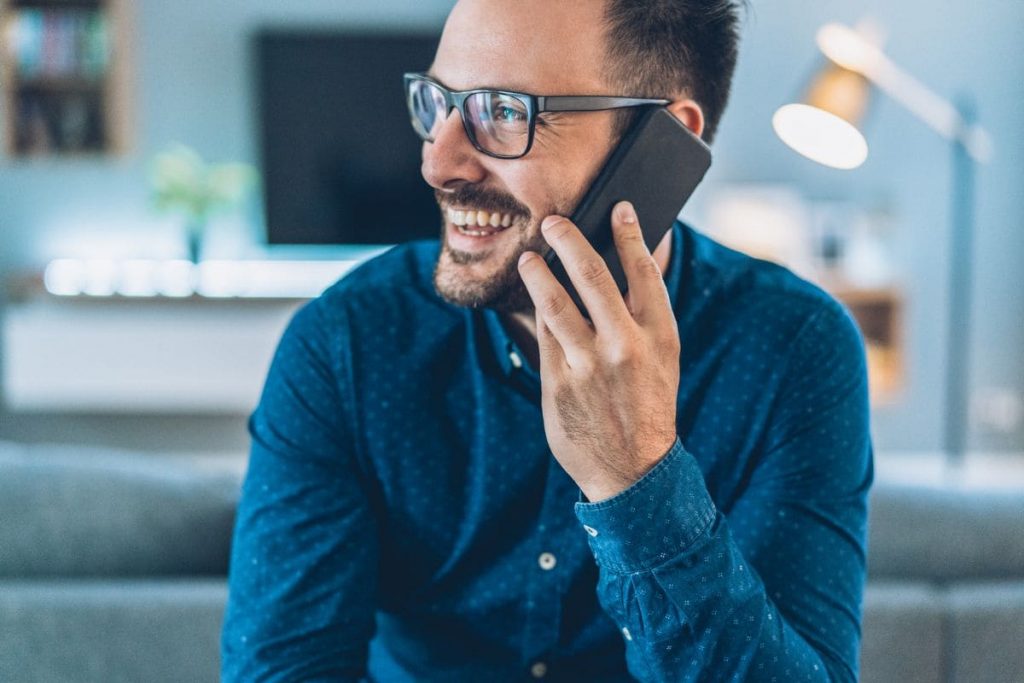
{"type": "Point", "coordinates": [535, 104]}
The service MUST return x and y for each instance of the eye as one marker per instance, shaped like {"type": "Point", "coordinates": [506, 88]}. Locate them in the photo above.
{"type": "Point", "coordinates": [507, 113]}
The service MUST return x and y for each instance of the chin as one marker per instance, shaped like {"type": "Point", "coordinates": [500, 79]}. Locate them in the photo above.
{"type": "Point", "coordinates": [488, 280]}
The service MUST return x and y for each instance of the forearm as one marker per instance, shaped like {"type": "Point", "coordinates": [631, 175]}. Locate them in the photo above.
{"type": "Point", "coordinates": [688, 603]}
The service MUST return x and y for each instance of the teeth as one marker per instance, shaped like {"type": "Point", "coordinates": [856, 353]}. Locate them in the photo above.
{"type": "Point", "coordinates": [482, 219]}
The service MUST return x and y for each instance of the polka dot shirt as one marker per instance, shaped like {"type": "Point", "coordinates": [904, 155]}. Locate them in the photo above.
{"type": "Point", "coordinates": [402, 518]}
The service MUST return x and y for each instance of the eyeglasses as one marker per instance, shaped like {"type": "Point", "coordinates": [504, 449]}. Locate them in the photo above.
{"type": "Point", "coordinates": [499, 123]}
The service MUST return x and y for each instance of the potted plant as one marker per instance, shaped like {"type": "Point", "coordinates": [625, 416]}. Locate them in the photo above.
{"type": "Point", "coordinates": [182, 183]}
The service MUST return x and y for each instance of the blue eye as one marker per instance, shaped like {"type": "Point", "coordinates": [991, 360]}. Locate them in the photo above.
{"type": "Point", "coordinates": [509, 114]}
{"type": "Point", "coordinates": [507, 111]}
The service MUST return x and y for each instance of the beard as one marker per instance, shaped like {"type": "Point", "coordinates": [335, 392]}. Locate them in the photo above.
{"type": "Point", "coordinates": [501, 289]}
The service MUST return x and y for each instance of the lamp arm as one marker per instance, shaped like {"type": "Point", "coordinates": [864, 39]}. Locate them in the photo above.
{"type": "Point", "coordinates": [850, 50]}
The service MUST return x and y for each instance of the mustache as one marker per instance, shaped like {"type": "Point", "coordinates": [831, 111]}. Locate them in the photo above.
{"type": "Point", "coordinates": [482, 198]}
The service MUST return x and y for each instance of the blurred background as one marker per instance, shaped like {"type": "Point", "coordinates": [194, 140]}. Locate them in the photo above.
{"type": "Point", "coordinates": [176, 178]}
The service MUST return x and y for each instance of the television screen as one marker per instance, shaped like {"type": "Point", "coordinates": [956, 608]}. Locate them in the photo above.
{"type": "Point", "coordinates": [340, 161]}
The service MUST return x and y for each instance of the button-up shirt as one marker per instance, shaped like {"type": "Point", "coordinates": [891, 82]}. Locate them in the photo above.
{"type": "Point", "coordinates": [403, 518]}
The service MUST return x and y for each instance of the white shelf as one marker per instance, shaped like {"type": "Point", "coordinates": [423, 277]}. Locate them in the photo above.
{"type": "Point", "coordinates": [141, 356]}
{"type": "Point", "coordinates": [143, 278]}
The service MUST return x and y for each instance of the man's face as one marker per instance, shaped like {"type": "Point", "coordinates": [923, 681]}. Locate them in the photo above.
{"type": "Point", "coordinates": [536, 46]}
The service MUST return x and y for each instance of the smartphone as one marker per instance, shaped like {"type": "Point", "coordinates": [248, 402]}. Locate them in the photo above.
{"type": "Point", "coordinates": [657, 165]}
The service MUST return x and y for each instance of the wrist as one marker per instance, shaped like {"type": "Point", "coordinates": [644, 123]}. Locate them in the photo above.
{"type": "Point", "coordinates": [611, 480]}
{"type": "Point", "coordinates": [656, 519]}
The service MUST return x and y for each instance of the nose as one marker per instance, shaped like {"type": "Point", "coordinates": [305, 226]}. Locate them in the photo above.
{"type": "Point", "coordinates": [451, 159]}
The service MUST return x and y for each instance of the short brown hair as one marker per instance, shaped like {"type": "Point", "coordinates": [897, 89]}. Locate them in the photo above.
{"type": "Point", "coordinates": [661, 48]}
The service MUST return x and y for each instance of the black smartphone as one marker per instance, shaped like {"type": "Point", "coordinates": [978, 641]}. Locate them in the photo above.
{"type": "Point", "coordinates": [657, 165]}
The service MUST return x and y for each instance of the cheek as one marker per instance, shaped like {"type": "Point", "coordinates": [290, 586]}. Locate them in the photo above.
{"type": "Point", "coordinates": [553, 178]}
{"type": "Point", "coordinates": [553, 188]}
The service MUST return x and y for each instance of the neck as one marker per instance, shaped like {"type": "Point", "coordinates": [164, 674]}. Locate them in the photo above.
{"type": "Point", "coordinates": [522, 327]}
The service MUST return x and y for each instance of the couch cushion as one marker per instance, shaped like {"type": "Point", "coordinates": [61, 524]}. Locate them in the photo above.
{"type": "Point", "coordinates": [944, 533]}
{"type": "Point", "coordinates": [100, 631]}
{"type": "Point", "coordinates": [70, 511]}
{"type": "Point", "coordinates": [987, 632]}
{"type": "Point", "coordinates": [902, 633]}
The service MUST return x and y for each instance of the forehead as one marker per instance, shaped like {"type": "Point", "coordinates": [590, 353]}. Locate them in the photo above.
{"type": "Point", "coordinates": [537, 46]}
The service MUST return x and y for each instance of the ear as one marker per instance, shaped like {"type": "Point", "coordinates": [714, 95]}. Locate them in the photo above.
{"type": "Point", "coordinates": [690, 113]}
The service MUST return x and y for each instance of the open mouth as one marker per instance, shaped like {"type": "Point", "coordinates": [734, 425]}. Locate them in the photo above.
{"type": "Point", "coordinates": [476, 223]}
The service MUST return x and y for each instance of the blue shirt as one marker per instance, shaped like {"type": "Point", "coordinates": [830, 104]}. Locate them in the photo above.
{"type": "Point", "coordinates": [403, 519]}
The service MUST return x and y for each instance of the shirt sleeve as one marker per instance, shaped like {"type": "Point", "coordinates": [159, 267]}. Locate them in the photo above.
{"type": "Point", "coordinates": [773, 590]}
{"type": "Point", "coordinates": [303, 574]}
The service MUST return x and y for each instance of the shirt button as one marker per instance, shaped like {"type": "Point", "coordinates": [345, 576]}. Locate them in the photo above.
{"type": "Point", "coordinates": [539, 670]}
{"type": "Point", "coordinates": [590, 530]}
{"type": "Point", "coordinates": [547, 561]}
{"type": "Point", "coordinates": [626, 634]}
{"type": "Point", "coordinates": [517, 362]}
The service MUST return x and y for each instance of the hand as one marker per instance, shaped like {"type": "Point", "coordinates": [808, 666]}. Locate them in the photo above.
{"type": "Point", "coordinates": [608, 388]}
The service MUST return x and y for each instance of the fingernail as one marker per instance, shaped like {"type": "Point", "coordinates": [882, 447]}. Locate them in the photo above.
{"type": "Point", "coordinates": [550, 222]}
{"type": "Point", "coordinates": [526, 256]}
{"type": "Point", "coordinates": [627, 214]}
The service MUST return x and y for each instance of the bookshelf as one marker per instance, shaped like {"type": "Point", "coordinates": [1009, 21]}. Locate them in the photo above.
{"type": "Point", "coordinates": [64, 77]}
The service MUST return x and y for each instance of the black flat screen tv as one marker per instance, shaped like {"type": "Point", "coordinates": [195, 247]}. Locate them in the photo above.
{"type": "Point", "coordinates": [339, 159]}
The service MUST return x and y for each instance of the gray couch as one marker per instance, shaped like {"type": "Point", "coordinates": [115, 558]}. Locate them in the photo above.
{"type": "Point", "coordinates": [112, 568]}
{"type": "Point", "coordinates": [945, 598]}
{"type": "Point", "coordinates": [112, 565]}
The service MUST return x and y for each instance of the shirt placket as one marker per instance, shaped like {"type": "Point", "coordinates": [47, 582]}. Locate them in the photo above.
{"type": "Point", "coordinates": [559, 553]}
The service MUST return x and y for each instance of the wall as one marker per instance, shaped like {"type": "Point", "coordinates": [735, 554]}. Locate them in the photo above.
{"type": "Point", "coordinates": [192, 84]}
{"type": "Point", "coordinates": [954, 48]}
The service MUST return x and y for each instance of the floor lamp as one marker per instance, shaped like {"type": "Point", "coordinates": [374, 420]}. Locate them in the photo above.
{"type": "Point", "coordinates": [824, 128]}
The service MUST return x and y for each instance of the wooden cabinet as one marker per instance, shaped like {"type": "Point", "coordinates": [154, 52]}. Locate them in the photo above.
{"type": "Point", "coordinates": [64, 77]}
{"type": "Point", "coordinates": [879, 314]}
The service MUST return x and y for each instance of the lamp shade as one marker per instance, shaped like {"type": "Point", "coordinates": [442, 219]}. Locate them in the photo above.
{"type": "Point", "coordinates": [824, 126]}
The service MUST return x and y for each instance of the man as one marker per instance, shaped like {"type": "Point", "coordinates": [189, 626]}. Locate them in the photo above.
{"type": "Point", "coordinates": [455, 476]}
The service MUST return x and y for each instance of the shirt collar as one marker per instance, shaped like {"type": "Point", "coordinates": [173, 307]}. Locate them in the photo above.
{"type": "Point", "coordinates": [510, 357]}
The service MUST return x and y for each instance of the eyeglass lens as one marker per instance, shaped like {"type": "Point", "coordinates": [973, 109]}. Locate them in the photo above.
{"type": "Point", "coordinates": [497, 122]}
{"type": "Point", "coordinates": [427, 105]}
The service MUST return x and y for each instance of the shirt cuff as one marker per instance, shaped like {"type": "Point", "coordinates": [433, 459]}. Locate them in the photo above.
{"type": "Point", "coordinates": [653, 520]}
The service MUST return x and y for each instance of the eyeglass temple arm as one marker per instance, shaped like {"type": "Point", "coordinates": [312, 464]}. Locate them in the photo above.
{"type": "Point", "coordinates": [590, 103]}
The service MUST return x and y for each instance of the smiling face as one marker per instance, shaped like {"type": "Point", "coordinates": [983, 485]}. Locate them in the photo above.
{"type": "Point", "coordinates": [491, 209]}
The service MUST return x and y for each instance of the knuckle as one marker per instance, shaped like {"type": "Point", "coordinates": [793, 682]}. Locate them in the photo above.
{"type": "Point", "coordinates": [553, 305]}
{"type": "Point", "coordinates": [646, 266]}
{"type": "Point", "coordinates": [584, 366]}
{"type": "Point", "coordinates": [624, 355]}
{"type": "Point", "coordinates": [591, 270]}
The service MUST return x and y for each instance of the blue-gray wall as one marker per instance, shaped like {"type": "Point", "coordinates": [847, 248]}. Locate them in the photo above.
{"type": "Point", "coordinates": [192, 84]}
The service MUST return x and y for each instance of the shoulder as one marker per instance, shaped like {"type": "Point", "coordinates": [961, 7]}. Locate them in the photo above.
{"type": "Point", "coordinates": [388, 301]}
{"type": "Point", "coordinates": [402, 271]}
{"type": "Point", "coordinates": [390, 284]}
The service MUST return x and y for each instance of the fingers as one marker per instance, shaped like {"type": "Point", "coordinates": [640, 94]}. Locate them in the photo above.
{"type": "Point", "coordinates": [555, 309]}
{"type": "Point", "coordinates": [552, 358]}
{"type": "Point", "coordinates": [648, 298]}
{"type": "Point", "coordinates": [588, 272]}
